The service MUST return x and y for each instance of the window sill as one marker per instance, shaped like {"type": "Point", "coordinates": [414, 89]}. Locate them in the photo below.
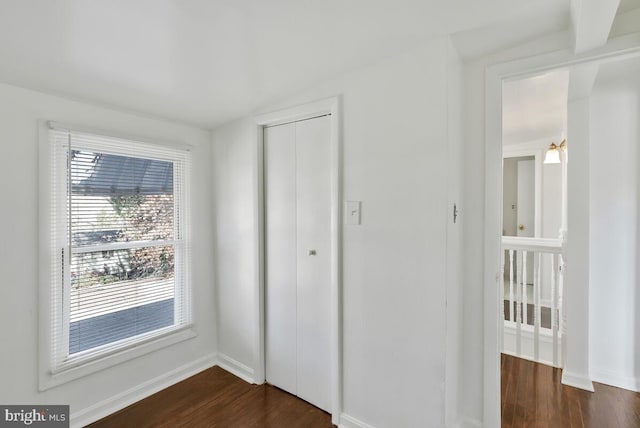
{"type": "Point", "coordinates": [49, 379]}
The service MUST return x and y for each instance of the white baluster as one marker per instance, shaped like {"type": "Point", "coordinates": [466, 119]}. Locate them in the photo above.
{"type": "Point", "coordinates": [502, 303]}
{"type": "Point", "coordinates": [544, 254]}
{"type": "Point", "coordinates": [519, 303]}
{"type": "Point", "coordinates": [512, 316]}
{"type": "Point", "coordinates": [554, 307]}
{"type": "Point", "coordinates": [562, 313]}
{"type": "Point", "coordinates": [536, 305]}
{"type": "Point", "coordinates": [525, 297]}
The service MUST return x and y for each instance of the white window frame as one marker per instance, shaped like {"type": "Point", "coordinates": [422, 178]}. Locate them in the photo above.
{"type": "Point", "coordinates": [51, 372]}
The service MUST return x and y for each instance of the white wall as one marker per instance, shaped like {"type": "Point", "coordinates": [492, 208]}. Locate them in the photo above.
{"type": "Point", "coordinates": [234, 178]}
{"type": "Point", "coordinates": [615, 235]}
{"type": "Point", "coordinates": [551, 200]}
{"type": "Point", "coordinates": [395, 161]}
{"type": "Point", "coordinates": [108, 389]}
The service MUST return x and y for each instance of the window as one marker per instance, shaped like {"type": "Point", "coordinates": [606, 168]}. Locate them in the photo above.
{"type": "Point", "coordinates": [118, 245]}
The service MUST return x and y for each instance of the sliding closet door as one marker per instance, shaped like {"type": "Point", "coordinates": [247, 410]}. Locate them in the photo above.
{"type": "Point", "coordinates": [298, 269]}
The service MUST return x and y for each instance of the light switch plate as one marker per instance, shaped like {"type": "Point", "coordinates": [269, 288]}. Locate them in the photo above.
{"type": "Point", "coordinates": [353, 212]}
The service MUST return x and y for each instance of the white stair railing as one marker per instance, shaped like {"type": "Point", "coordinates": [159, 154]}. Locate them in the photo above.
{"type": "Point", "coordinates": [523, 335]}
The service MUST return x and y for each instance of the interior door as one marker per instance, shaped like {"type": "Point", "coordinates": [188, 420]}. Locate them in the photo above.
{"type": "Point", "coordinates": [298, 258]}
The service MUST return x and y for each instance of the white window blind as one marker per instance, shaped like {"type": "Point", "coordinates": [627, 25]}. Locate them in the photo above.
{"type": "Point", "coordinates": [119, 244]}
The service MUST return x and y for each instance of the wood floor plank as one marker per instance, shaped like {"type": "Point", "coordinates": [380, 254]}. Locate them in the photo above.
{"type": "Point", "coordinates": [530, 398]}
{"type": "Point", "coordinates": [542, 397]}
{"type": "Point", "coordinates": [520, 394]}
{"type": "Point", "coordinates": [535, 397]}
{"type": "Point", "coordinates": [216, 398]}
{"type": "Point", "coordinates": [510, 379]}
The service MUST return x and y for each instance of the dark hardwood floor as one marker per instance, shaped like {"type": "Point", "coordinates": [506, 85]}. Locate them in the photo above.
{"type": "Point", "coordinates": [216, 398]}
{"type": "Point", "coordinates": [533, 396]}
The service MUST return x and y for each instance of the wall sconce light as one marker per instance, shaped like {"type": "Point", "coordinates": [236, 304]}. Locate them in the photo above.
{"type": "Point", "coordinates": [553, 154]}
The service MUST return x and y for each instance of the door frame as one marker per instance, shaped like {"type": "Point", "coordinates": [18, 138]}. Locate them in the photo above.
{"type": "Point", "coordinates": [331, 106]}
{"type": "Point", "coordinates": [618, 48]}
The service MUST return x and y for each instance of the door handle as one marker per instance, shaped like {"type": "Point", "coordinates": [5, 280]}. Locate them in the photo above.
{"type": "Point", "coordinates": [521, 227]}
{"type": "Point", "coordinates": [312, 252]}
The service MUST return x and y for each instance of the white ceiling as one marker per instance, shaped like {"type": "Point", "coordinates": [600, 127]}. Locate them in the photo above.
{"type": "Point", "coordinates": [535, 108]}
{"type": "Point", "coordinates": [206, 62]}
{"type": "Point", "coordinates": [478, 42]}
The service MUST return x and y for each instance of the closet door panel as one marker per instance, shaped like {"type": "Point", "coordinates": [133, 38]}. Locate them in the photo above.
{"type": "Point", "coordinates": [280, 257]}
{"type": "Point", "coordinates": [314, 260]}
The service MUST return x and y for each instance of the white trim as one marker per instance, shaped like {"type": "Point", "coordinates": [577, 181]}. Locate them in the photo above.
{"type": "Point", "coordinates": [470, 423]}
{"type": "Point", "coordinates": [236, 368]}
{"type": "Point", "coordinates": [260, 363]}
{"type": "Point", "coordinates": [44, 258]}
{"type": "Point", "coordinates": [529, 358]}
{"type": "Point", "coordinates": [97, 358]}
{"type": "Point", "coordinates": [51, 124]}
{"type": "Point", "coordinates": [543, 245]}
{"type": "Point", "coordinates": [132, 395]}
{"type": "Point", "coordinates": [528, 330]}
{"type": "Point", "coordinates": [524, 148]}
{"type": "Point", "coordinates": [115, 246]}
{"type": "Point", "coordinates": [616, 49]}
{"type": "Point", "coordinates": [330, 106]}
{"type": "Point", "coordinates": [301, 112]}
{"type": "Point", "coordinates": [347, 421]}
{"type": "Point", "coordinates": [53, 373]}
{"type": "Point", "coordinates": [577, 381]}
{"type": "Point", "coordinates": [492, 249]}
{"type": "Point", "coordinates": [615, 379]}
{"type": "Point", "coordinates": [515, 152]}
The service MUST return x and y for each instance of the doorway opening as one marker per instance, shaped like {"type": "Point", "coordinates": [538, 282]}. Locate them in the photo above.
{"type": "Point", "coordinates": [581, 356]}
{"type": "Point", "coordinates": [534, 117]}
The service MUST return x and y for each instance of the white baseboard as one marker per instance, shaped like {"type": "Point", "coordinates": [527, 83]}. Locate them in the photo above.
{"type": "Point", "coordinates": [470, 423]}
{"type": "Point", "coordinates": [236, 368]}
{"type": "Point", "coordinates": [137, 393]}
{"type": "Point", "coordinates": [456, 424]}
{"type": "Point", "coordinates": [530, 358]}
{"type": "Point", "coordinates": [577, 381]}
{"type": "Point", "coordinates": [615, 379]}
{"type": "Point", "coordinates": [347, 421]}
